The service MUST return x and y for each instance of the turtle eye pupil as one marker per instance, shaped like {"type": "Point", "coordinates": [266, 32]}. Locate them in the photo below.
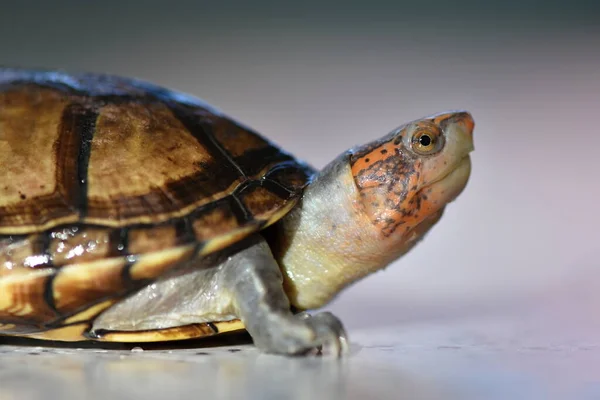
{"type": "Point", "coordinates": [425, 140]}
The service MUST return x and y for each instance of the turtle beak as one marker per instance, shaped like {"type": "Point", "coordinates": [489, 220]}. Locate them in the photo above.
{"type": "Point", "coordinates": [465, 126]}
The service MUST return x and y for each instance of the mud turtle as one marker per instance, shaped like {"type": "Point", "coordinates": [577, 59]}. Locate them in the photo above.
{"type": "Point", "coordinates": [133, 213]}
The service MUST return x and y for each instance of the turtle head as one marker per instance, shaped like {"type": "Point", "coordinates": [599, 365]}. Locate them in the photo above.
{"type": "Point", "coordinates": [371, 205]}
{"type": "Point", "coordinates": [405, 179]}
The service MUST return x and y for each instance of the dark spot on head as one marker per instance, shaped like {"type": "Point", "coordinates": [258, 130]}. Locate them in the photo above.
{"type": "Point", "coordinates": [42, 187]}
{"type": "Point", "coordinates": [367, 159]}
{"type": "Point", "coordinates": [23, 197]}
{"type": "Point", "coordinates": [383, 151]}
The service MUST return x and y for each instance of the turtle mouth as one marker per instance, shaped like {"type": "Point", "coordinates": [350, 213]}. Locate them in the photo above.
{"type": "Point", "coordinates": [452, 183]}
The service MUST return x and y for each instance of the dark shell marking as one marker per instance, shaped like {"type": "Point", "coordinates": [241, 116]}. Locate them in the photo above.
{"type": "Point", "coordinates": [99, 173]}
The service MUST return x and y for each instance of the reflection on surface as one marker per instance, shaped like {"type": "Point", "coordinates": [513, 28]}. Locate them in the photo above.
{"type": "Point", "coordinates": [494, 359]}
{"type": "Point", "coordinates": [213, 372]}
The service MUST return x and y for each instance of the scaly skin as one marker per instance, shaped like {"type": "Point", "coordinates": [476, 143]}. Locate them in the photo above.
{"type": "Point", "coordinates": [371, 205]}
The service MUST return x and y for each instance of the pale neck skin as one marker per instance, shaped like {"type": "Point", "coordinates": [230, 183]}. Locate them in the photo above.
{"type": "Point", "coordinates": [328, 241]}
{"type": "Point", "coordinates": [371, 205]}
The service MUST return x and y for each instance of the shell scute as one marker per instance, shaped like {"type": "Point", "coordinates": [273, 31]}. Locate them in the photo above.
{"type": "Point", "coordinates": [108, 183]}
{"type": "Point", "coordinates": [76, 286]}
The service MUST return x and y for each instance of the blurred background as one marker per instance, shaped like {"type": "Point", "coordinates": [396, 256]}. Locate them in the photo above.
{"type": "Point", "coordinates": [319, 77]}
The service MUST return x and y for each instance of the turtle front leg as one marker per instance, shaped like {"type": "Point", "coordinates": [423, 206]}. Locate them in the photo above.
{"type": "Point", "coordinates": [256, 283]}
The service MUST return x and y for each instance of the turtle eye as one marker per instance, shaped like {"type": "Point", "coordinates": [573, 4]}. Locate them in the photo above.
{"type": "Point", "coordinates": [427, 142]}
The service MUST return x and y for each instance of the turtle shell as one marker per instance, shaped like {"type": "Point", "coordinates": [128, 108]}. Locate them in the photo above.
{"type": "Point", "coordinates": [106, 183]}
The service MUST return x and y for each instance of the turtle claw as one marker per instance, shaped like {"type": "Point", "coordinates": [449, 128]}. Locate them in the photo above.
{"type": "Point", "coordinates": [305, 335]}
{"type": "Point", "coordinates": [330, 336]}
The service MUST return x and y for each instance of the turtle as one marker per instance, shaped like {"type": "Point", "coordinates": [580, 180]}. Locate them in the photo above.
{"type": "Point", "coordinates": [133, 213]}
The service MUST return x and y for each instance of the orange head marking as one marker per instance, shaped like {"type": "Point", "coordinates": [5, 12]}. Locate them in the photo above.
{"type": "Point", "coordinates": [408, 176]}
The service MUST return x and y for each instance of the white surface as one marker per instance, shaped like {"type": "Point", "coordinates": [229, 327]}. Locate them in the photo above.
{"type": "Point", "coordinates": [485, 358]}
